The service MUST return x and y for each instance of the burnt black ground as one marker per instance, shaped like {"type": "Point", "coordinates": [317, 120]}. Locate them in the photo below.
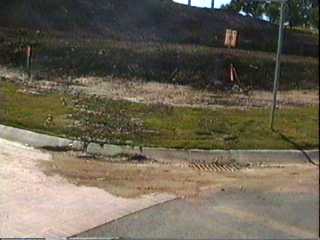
{"type": "Point", "coordinates": [148, 20]}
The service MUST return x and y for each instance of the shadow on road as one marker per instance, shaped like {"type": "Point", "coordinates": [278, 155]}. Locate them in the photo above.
{"type": "Point", "coordinates": [296, 146]}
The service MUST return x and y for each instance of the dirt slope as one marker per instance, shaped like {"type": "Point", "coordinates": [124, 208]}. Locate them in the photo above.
{"type": "Point", "coordinates": [146, 20]}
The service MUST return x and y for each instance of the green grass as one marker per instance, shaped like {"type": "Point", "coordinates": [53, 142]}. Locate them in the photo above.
{"type": "Point", "coordinates": [30, 112]}
{"type": "Point", "coordinates": [233, 129]}
{"type": "Point", "coordinates": [175, 127]}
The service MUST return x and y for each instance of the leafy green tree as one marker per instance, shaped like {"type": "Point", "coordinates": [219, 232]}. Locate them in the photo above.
{"type": "Point", "coordinates": [314, 21]}
{"type": "Point", "coordinates": [272, 11]}
{"type": "Point", "coordinates": [299, 13]}
{"type": "Point", "coordinates": [234, 6]}
{"type": "Point", "coordinates": [253, 9]}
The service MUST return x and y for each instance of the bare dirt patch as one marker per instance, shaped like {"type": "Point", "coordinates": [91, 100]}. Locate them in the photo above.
{"type": "Point", "coordinates": [128, 179]}
{"type": "Point", "coordinates": [138, 91]}
{"type": "Point", "coordinates": [133, 179]}
{"type": "Point", "coordinates": [178, 95]}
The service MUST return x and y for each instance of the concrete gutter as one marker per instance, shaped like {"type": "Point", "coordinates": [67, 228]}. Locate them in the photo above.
{"type": "Point", "coordinates": [168, 155]}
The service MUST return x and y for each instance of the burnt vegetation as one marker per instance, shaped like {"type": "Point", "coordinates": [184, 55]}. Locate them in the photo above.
{"type": "Point", "coordinates": [152, 40]}
{"type": "Point", "coordinates": [147, 20]}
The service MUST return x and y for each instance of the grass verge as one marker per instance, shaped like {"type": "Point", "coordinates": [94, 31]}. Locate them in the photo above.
{"type": "Point", "coordinates": [172, 127]}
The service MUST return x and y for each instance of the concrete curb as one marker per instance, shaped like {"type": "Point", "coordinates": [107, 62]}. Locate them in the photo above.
{"type": "Point", "coordinates": [34, 139]}
{"type": "Point", "coordinates": [168, 155]}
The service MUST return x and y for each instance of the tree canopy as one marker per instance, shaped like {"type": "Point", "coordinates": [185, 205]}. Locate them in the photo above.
{"type": "Point", "coordinates": [299, 13]}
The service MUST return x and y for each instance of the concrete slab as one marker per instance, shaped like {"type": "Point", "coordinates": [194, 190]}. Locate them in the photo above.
{"type": "Point", "coordinates": [35, 205]}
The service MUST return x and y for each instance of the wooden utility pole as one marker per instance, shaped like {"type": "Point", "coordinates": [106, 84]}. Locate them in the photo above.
{"type": "Point", "coordinates": [189, 2]}
{"type": "Point", "coordinates": [212, 4]}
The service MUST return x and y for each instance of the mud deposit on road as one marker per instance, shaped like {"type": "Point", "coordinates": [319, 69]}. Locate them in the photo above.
{"type": "Point", "coordinates": [132, 179]}
{"type": "Point", "coordinates": [128, 179]}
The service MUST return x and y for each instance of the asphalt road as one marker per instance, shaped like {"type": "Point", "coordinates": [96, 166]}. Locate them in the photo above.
{"type": "Point", "coordinates": [230, 213]}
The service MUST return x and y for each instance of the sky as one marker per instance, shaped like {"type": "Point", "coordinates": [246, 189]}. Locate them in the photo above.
{"type": "Point", "coordinates": [204, 3]}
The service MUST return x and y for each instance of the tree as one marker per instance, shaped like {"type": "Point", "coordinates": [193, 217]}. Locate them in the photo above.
{"type": "Point", "coordinates": [253, 9]}
{"type": "Point", "coordinates": [272, 11]}
{"type": "Point", "coordinates": [300, 13]}
{"type": "Point", "coordinates": [234, 6]}
{"type": "Point", "coordinates": [314, 21]}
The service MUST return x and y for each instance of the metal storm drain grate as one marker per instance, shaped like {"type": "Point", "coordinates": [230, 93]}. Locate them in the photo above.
{"type": "Point", "coordinates": [215, 167]}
